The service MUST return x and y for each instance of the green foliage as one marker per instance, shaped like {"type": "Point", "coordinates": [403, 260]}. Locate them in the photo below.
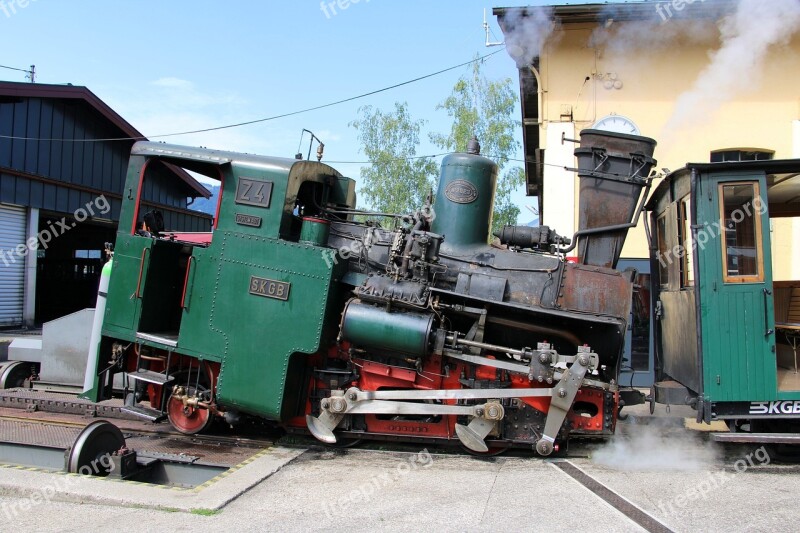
{"type": "Point", "coordinates": [397, 181]}
{"type": "Point", "coordinates": [205, 512]}
{"type": "Point", "coordinates": [483, 108]}
{"type": "Point", "coordinates": [505, 212]}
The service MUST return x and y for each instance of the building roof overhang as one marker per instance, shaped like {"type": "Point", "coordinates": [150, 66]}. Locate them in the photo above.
{"type": "Point", "coordinates": [73, 92]}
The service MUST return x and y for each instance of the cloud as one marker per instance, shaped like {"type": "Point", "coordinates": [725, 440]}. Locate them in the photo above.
{"type": "Point", "coordinates": [170, 105]}
{"type": "Point", "coordinates": [173, 83]}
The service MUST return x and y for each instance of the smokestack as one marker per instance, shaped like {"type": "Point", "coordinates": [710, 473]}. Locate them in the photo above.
{"type": "Point", "coordinates": [612, 168]}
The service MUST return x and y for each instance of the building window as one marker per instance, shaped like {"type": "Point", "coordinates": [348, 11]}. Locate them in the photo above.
{"type": "Point", "coordinates": [664, 254]}
{"type": "Point", "coordinates": [685, 232]}
{"type": "Point", "coordinates": [88, 254]}
{"type": "Point", "coordinates": [723, 156]}
{"type": "Point", "coordinates": [741, 239]}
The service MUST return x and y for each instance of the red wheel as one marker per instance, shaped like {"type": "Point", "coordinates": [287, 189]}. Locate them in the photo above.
{"type": "Point", "coordinates": [494, 449]}
{"type": "Point", "coordinates": [189, 419]}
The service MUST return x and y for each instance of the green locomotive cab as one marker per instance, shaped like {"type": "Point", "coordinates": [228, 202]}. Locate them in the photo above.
{"type": "Point", "coordinates": [727, 321]}
{"type": "Point", "coordinates": [180, 303]}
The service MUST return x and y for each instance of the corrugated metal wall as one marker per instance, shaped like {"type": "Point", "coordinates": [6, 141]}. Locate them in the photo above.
{"type": "Point", "coordinates": [12, 266]}
{"type": "Point", "coordinates": [86, 169]}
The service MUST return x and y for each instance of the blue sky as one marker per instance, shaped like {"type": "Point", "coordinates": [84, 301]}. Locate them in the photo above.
{"type": "Point", "coordinates": [170, 66]}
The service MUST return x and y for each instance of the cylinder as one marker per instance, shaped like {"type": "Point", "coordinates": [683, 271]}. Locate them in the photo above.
{"type": "Point", "coordinates": [464, 200]}
{"type": "Point", "coordinates": [314, 231]}
{"type": "Point", "coordinates": [368, 326]}
{"type": "Point", "coordinates": [97, 326]}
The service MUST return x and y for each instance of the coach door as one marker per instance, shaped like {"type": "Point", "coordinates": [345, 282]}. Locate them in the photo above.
{"type": "Point", "coordinates": [737, 301]}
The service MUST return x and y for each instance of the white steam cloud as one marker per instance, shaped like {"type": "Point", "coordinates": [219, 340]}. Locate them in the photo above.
{"type": "Point", "coordinates": [747, 36]}
{"type": "Point", "coordinates": [651, 447]}
{"type": "Point", "coordinates": [526, 32]}
{"type": "Point", "coordinates": [627, 40]}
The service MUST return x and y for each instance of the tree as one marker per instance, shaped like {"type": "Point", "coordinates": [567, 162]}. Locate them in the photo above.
{"type": "Point", "coordinates": [484, 109]}
{"type": "Point", "coordinates": [396, 181]}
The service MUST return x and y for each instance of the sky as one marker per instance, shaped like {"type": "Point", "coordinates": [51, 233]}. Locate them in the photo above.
{"type": "Point", "coordinates": [180, 65]}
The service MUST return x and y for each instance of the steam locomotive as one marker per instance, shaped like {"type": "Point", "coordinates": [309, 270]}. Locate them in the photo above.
{"type": "Point", "coordinates": [305, 311]}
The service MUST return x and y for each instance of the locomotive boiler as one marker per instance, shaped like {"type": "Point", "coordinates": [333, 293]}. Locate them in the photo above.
{"type": "Point", "coordinates": [303, 310]}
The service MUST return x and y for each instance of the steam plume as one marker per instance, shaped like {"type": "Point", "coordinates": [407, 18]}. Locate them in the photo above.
{"type": "Point", "coordinates": [747, 36]}
{"type": "Point", "coordinates": [652, 447]}
{"type": "Point", "coordinates": [526, 31]}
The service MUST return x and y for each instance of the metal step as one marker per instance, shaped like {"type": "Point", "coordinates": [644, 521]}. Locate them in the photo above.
{"type": "Point", "coordinates": [144, 412]}
{"type": "Point", "coordinates": [765, 438]}
{"type": "Point", "coordinates": [167, 339]}
{"type": "Point", "coordinates": [151, 377]}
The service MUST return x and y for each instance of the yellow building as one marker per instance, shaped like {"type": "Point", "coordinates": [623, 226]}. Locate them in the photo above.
{"type": "Point", "coordinates": [708, 79]}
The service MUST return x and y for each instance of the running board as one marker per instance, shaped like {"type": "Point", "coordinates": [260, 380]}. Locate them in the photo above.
{"type": "Point", "coordinates": [144, 412]}
{"type": "Point", "coordinates": [156, 378]}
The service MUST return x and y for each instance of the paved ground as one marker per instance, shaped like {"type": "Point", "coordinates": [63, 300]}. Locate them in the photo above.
{"type": "Point", "coordinates": [655, 471]}
{"type": "Point", "coordinates": [358, 490]}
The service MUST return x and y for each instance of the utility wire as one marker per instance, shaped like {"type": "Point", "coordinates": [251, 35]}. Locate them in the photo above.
{"type": "Point", "coordinates": [266, 119]}
{"type": "Point", "coordinates": [17, 69]}
{"type": "Point", "coordinates": [431, 156]}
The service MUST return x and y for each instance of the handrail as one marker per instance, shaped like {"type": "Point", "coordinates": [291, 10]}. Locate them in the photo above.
{"type": "Point", "coordinates": [138, 293]}
{"type": "Point", "coordinates": [186, 281]}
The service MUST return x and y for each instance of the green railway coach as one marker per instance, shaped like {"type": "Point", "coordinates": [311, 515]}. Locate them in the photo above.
{"type": "Point", "coordinates": [727, 328]}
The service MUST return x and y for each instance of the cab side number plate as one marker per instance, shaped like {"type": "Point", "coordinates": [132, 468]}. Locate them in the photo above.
{"type": "Point", "coordinates": [253, 192]}
{"type": "Point", "coordinates": [269, 288]}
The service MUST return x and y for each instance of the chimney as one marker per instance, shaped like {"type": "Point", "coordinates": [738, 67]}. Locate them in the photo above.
{"type": "Point", "coordinates": [612, 168]}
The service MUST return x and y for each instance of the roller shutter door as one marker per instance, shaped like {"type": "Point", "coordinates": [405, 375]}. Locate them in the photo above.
{"type": "Point", "coordinates": [12, 266]}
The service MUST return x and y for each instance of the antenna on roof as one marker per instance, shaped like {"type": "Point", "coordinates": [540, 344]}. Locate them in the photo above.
{"type": "Point", "coordinates": [29, 74]}
{"type": "Point", "coordinates": [488, 31]}
{"type": "Point", "coordinates": [320, 145]}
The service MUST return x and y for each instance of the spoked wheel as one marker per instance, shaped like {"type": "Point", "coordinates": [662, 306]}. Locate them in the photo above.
{"type": "Point", "coordinates": [90, 453]}
{"type": "Point", "coordinates": [185, 417]}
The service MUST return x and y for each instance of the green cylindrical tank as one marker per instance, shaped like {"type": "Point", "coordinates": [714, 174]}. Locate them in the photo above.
{"type": "Point", "coordinates": [368, 326]}
{"type": "Point", "coordinates": [465, 199]}
{"type": "Point", "coordinates": [314, 231]}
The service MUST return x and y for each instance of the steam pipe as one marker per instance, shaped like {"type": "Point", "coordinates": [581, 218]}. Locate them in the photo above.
{"type": "Point", "coordinates": [616, 227]}
{"type": "Point", "coordinates": [533, 328]}
{"type": "Point", "coordinates": [407, 249]}
{"type": "Point", "coordinates": [539, 94]}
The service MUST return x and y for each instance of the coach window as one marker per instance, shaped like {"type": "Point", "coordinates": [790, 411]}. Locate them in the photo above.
{"type": "Point", "coordinates": [685, 231]}
{"type": "Point", "coordinates": [663, 250]}
{"type": "Point", "coordinates": [741, 239]}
